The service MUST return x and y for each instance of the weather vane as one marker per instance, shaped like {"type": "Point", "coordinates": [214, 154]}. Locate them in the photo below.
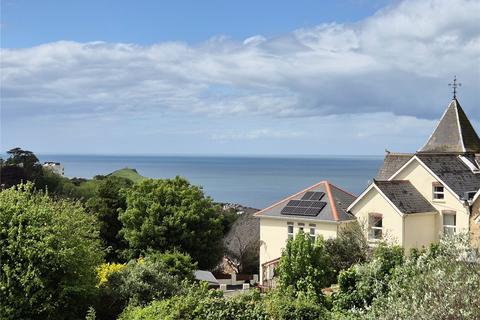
{"type": "Point", "coordinates": [455, 85]}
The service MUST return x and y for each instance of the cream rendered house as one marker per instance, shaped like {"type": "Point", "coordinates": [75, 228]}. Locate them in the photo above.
{"type": "Point", "coordinates": [417, 198]}
{"type": "Point", "coordinates": [317, 210]}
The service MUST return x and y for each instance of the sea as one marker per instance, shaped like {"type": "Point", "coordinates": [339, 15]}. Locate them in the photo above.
{"type": "Point", "coordinates": [253, 181]}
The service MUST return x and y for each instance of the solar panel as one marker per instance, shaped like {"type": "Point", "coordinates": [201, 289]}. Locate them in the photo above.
{"type": "Point", "coordinates": [303, 207]}
{"type": "Point", "coordinates": [313, 195]}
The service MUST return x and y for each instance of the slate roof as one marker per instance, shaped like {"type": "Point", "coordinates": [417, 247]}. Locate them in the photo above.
{"type": "Point", "coordinates": [405, 196]}
{"type": "Point", "coordinates": [453, 172]}
{"type": "Point", "coordinates": [335, 210]}
{"type": "Point", "coordinates": [391, 164]}
{"type": "Point", "coordinates": [453, 134]}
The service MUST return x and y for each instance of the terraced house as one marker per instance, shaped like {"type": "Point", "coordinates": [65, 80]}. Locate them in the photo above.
{"type": "Point", "coordinates": [414, 199]}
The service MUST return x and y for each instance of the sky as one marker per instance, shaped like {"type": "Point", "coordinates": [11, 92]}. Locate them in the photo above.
{"type": "Point", "coordinates": [351, 77]}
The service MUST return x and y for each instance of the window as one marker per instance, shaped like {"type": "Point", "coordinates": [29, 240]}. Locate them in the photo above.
{"type": "Point", "coordinates": [301, 226]}
{"type": "Point", "coordinates": [438, 191]}
{"type": "Point", "coordinates": [290, 230]}
{"type": "Point", "coordinates": [449, 222]}
{"type": "Point", "coordinates": [375, 224]}
{"type": "Point", "coordinates": [312, 232]}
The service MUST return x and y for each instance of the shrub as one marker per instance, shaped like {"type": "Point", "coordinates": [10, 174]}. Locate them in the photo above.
{"type": "Point", "coordinates": [304, 266]}
{"type": "Point", "coordinates": [49, 252]}
{"type": "Point", "coordinates": [443, 282]}
{"type": "Point", "coordinates": [361, 283]}
{"type": "Point", "coordinates": [141, 281]}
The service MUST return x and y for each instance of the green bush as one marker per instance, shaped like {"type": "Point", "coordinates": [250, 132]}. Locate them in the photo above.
{"type": "Point", "coordinates": [305, 266]}
{"type": "Point", "coordinates": [362, 283]}
{"type": "Point", "coordinates": [142, 281]}
{"type": "Point", "coordinates": [443, 282]}
{"type": "Point", "coordinates": [172, 214]}
{"type": "Point", "coordinates": [48, 252]}
{"type": "Point", "coordinates": [202, 304]}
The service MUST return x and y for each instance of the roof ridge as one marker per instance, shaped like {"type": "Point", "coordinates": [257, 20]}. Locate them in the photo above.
{"type": "Point", "coordinates": [336, 217]}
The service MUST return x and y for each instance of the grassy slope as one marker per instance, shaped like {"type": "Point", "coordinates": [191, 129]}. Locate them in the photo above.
{"type": "Point", "coordinates": [128, 173]}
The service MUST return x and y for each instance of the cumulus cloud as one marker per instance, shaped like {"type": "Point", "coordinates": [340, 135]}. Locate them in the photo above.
{"type": "Point", "coordinates": [398, 60]}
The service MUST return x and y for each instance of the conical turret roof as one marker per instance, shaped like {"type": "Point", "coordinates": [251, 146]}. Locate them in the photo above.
{"type": "Point", "coordinates": [453, 134]}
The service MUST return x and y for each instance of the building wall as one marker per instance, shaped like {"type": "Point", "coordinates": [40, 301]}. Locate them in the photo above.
{"type": "Point", "coordinates": [374, 202]}
{"type": "Point", "coordinates": [419, 230]}
{"type": "Point", "coordinates": [422, 180]}
{"type": "Point", "coordinates": [274, 236]}
{"type": "Point", "coordinates": [475, 223]}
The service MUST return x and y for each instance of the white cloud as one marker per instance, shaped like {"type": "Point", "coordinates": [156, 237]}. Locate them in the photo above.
{"type": "Point", "coordinates": [398, 61]}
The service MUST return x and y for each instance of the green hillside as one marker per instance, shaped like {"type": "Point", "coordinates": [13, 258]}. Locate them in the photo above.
{"type": "Point", "coordinates": [128, 173]}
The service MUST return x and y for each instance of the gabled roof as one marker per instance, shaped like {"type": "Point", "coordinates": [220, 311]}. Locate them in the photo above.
{"type": "Point", "coordinates": [405, 196]}
{"type": "Point", "coordinates": [453, 134]}
{"type": "Point", "coordinates": [335, 210]}
{"type": "Point", "coordinates": [453, 172]}
{"type": "Point", "coordinates": [391, 164]}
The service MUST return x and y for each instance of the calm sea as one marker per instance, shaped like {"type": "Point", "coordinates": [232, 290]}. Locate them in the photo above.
{"type": "Point", "coordinates": [250, 181]}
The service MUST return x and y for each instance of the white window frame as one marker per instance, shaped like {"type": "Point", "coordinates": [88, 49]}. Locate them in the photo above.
{"type": "Point", "coordinates": [449, 228]}
{"type": "Point", "coordinates": [290, 234]}
{"type": "Point", "coordinates": [437, 193]}
{"type": "Point", "coordinates": [372, 229]}
{"type": "Point", "coordinates": [313, 235]}
{"type": "Point", "coordinates": [301, 227]}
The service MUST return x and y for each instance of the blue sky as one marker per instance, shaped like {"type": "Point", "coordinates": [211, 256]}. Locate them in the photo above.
{"type": "Point", "coordinates": [224, 77]}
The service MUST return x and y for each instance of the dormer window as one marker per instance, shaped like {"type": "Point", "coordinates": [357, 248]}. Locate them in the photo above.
{"type": "Point", "coordinates": [438, 191]}
{"type": "Point", "coordinates": [471, 163]}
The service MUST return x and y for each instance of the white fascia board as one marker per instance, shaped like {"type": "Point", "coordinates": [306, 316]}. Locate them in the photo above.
{"type": "Point", "coordinates": [360, 196]}
{"type": "Point", "coordinates": [374, 186]}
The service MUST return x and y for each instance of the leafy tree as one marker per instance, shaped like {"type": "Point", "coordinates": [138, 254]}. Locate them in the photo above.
{"type": "Point", "coordinates": [348, 248]}
{"type": "Point", "coordinates": [305, 266]}
{"type": "Point", "coordinates": [174, 263]}
{"type": "Point", "coordinates": [362, 283]}
{"type": "Point", "coordinates": [442, 282]}
{"type": "Point", "coordinates": [172, 214]}
{"type": "Point", "coordinates": [48, 255]}
{"type": "Point", "coordinates": [108, 200]}
{"type": "Point", "coordinates": [21, 165]}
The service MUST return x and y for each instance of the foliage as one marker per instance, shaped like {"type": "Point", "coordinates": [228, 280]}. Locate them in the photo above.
{"type": "Point", "coordinates": [49, 252]}
{"type": "Point", "coordinates": [105, 270]}
{"type": "Point", "coordinates": [203, 304]}
{"type": "Point", "coordinates": [174, 263]}
{"type": "Point", "coordinates": [305, 266]}
{"type": "Point", "coordinates": [362, 283]}
{"type": "Point", "coordinates": [127, 173]}
{"type": "Point", "coordinates": [108, 199]}
{"type": "Point", "coordinates": [172, 214]}
{"type": "Point", "coordinates": [348, 248]}
{"type": "Point", "coordinates": [142, 281]}
{"type": "Point", "coordinates": [443, 282]}
{"type": "Point", "coordinates": [21, 166]}
{"type": "Point", "coordinates": [91, 314]}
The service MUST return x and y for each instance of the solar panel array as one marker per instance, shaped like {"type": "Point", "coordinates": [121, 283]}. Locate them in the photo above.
{"type": "Point", "coordinates": [310, 205]}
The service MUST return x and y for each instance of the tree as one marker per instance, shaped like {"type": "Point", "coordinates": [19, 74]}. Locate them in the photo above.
{"type": "Point", "coordinates": [442, 282]}
{"type": "Point", "coordinates": [362, 283]}
{"type": "Point", "coordinates": [21, 165]}
{"type": "Point", "coordinates": [172, 214]}
{"type": "Point", "coordinates": [348, 248]}
{"type": "Point", "coordinates": [305, 266]}
{"type": "Point", "coordinates": [48, 255]}
{"type": "Point", "coordinates": [108, 200]}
